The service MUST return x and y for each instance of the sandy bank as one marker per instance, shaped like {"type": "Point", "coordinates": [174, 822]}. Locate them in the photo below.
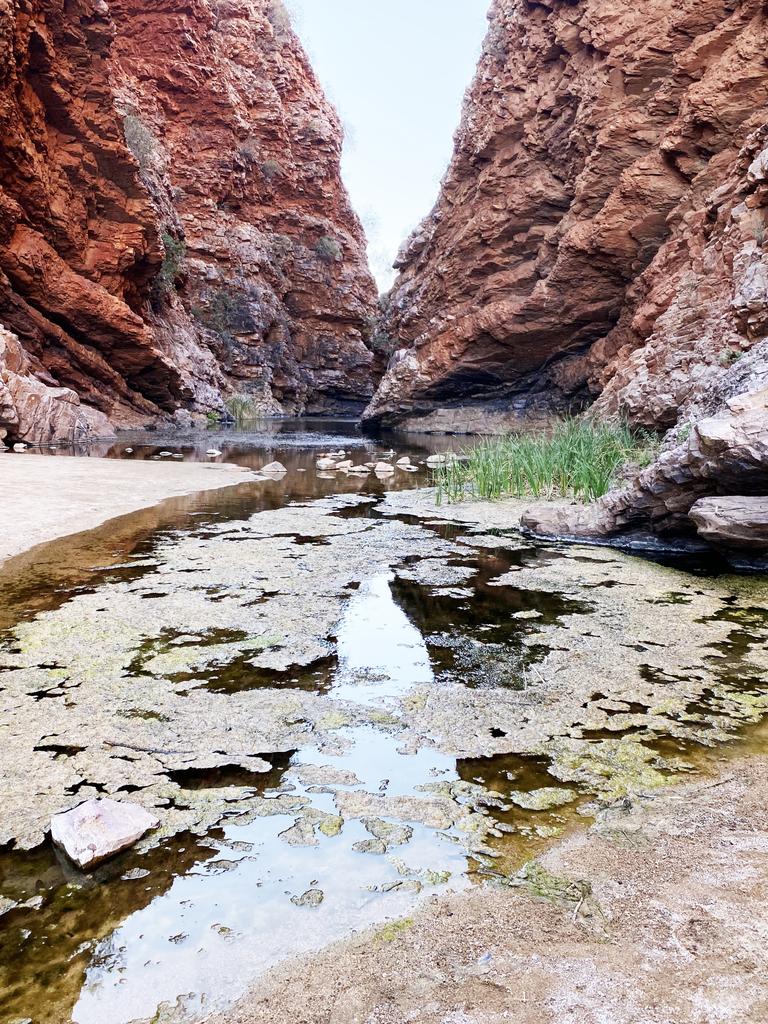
{"type": "Point", "coordinates": [46, 498]}
{"type": "Point", "coordinates": [656, 914]}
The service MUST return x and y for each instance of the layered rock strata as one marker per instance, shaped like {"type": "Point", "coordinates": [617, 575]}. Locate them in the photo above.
{"type": "Point", "coordinates": [173, 227]}
{"type": "Point", "coordinates": [601, 231]}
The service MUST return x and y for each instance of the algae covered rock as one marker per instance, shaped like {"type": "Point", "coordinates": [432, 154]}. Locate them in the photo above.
{"type": "Point", "coordinates": [542, 799]}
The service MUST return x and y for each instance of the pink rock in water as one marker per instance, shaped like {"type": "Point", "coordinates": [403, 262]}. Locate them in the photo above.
{"type": "Point", "coordinates": [98, 829]}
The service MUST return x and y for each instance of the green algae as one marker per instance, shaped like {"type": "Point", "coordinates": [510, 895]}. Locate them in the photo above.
{"type": "Point", "coordinates": [332, 825]}
{"type": "Point", "coordinates": [612, 768]}
{"type": "Point", "coordinates": [543, 883]}
{"type": "Point", "coordinates": [542, 799]}
{"type": "Point", "coordinates": [394, 930]}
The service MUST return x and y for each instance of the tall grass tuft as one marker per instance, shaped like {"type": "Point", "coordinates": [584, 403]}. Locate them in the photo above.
{"type": "Point", "coordinates": [577, 458]}
{"type": "Point", "coordinates": [244, 409]}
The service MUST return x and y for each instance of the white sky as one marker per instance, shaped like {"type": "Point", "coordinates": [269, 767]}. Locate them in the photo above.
{"type": "Point", "coordinates": [396, 71]}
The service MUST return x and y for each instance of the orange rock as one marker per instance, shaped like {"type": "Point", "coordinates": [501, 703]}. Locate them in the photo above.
{"type": "Point", "coordinates": [601, 231]}
{"type": "Point", "coordinates": [173, 223]}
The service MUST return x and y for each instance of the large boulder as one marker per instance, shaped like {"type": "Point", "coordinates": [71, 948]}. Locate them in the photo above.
{"type": "Point", "coordinates": [733, 522]}
{"type": "Point", "coordinates": [34, 412]}
{"type": "Point", "coordinates": [98, 829]}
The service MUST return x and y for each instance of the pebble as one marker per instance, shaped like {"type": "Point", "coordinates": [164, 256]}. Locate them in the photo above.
{"type": "Point", "coordinates": [311, 898]}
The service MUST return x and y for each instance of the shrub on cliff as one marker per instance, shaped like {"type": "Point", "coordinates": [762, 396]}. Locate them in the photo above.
{"type": "Point", "coordinates": [328, 249]}
{"type": "Point", "coordinates": [279, 19]}
{"type": "Point", "coordinates": [175, 251]}
{"type": "Point", "coordinates": [227, 314]}
{"type": "Point", "coordinates": [270, 169]}
{"type": "Point", "coordinates": [140, 141]}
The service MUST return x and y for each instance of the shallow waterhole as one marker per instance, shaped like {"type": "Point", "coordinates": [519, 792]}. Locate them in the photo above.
{"type": "Point", "coordinates": [190, 923]}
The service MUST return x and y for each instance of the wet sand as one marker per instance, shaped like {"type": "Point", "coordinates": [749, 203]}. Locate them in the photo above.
{"type": "Point", "coordinates": [656, 914]}
{"type": "Point", "coordinates": [47, 498]}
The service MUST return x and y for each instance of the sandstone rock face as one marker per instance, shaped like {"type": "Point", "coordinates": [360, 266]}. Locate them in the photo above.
{"type": "Point", "coordinates": [241, 153]}
{"type": "Point", "coordinates": [601, 231]}
{"type": "Point", "coordinates": [35, 413]}
{"type": "Point", "coordinates": [173, 227]}
{"type": "Point", "coordinates": [733, 522]}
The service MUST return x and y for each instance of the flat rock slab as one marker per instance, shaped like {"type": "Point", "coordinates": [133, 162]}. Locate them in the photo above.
{"type": "Point", "coordinates": [99, 829]}
{"type": "Point", "coordinates": [734, 521]}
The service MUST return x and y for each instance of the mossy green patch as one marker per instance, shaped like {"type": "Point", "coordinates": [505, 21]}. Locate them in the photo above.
{"type": "Point", "coordinates": [542, 799]}
{"type": "Point", "coordinates": [393, 930]}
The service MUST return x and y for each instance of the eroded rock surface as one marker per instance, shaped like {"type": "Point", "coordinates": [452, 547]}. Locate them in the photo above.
{"type": "Point", "coordinates": [733, 521]}
{"type": "Point", "coordinates": [173, 226]}
{"type": "Point", "coordinates": [600, 233]}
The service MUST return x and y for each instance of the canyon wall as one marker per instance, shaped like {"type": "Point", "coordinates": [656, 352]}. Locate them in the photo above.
{"type": "Point", "coordinates": [173, 226]}
{"type": "Point", "coordinates": [600, 235]}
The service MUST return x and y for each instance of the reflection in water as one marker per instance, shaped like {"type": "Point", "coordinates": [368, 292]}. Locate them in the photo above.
{"type": "Point", "coordinates": [381, 652]}
{"type": "Point", "coordinates": [228, 919]}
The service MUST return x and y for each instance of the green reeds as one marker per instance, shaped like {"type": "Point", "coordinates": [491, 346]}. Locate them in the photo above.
{"type": "Point", "coordinates": [243, 409]}
{"type": "Point", "coordinates": [576, 458]}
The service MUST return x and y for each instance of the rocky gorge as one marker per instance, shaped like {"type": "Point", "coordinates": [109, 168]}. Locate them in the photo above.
{"type": "Point", "coordinates": [290, 731]}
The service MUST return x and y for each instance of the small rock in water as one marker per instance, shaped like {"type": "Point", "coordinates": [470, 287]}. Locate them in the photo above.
{"type": "Point", "coordinates": [311, 898]}
{"type": "Point", "coordinates": [346, 464]}
{"type": "Point", "coordinates": [360, 470]}
{"type": "Point", "coordinates": [404, 462]}
{"type": "Point", "coordinates": [542, 799]}
{"type": "Point", "coordinates": [20, 447]}
{"type": "Point", "coordinates": [441, 459]}
{"type": "Point", "coordinates": [384, 469]}
{"type": "Point", "coordinates": [128, 451]}
{"type": "Point", "coordinates": [326, 463]}
{"type": "Point", "coordinates": [213, 452]}
{"type": "Point", "coordinates": [274, 469]}
{"type": "Point", "coordinates": [165, 455]}
{"type": "Point", "coordinates": [98, 829]}
{"type": "Point", "coordinates": [134, 874]}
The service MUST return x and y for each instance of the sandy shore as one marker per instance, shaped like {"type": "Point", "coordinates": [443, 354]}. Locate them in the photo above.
{"type": "Point", "coordinates": [657, 914]}
{"type": "Point", "coordinates": [47, 498]}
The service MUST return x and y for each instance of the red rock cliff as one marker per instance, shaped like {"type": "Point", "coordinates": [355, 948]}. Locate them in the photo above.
{"type": "Point", "coordinates": [601, 231]}
{"type": "Point", "coordinates": [173, 226]}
